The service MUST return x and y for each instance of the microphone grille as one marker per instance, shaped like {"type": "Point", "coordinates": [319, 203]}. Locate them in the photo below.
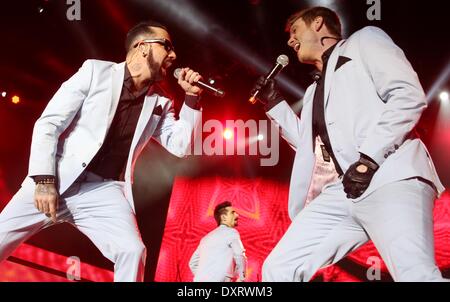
{"type": "Point", "coordinates": [176, 73]}
{"type": "Point", "coordinates": [283, 60]}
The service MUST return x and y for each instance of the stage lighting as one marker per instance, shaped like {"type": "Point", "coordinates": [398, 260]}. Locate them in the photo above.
{"type": "Point", "coordinates": [4, 94]}
{"type": "Point", "coordinates": [211, 81]}
{"type": "Point", "coordinates": [204, 27]}
{"type": "Point", "coordinates": [227, 134]}
{"type": "Point", "coordinates": [260, 137]}
{"type": "Point", "coordinates": [15, 99]}
{"type": "Point", "coordinates": [443, 96]}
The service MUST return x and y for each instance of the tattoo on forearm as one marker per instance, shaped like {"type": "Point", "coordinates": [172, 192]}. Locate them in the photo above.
{"type": "Point", "coordinates": [45, 189]}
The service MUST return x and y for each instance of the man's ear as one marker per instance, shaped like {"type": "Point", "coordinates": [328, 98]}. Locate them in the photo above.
{"type": "Point", "coordinates": [144, 48]}
{"type": "Point", "coordinates": [318, 23]}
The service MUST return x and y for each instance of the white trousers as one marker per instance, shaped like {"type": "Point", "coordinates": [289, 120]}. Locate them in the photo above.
{"type": "Point", "coordinates": [95, 207]}
{"type": "Point", "coordinates": [398, 218]}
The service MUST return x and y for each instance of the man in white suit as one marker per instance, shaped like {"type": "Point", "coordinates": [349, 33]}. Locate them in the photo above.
{"type": "Point", "coordinates": [87, 141]}
{"type": "Point", "coordinates": [359, 118]}
{"type": "Point", "coordinates": [220, 256]}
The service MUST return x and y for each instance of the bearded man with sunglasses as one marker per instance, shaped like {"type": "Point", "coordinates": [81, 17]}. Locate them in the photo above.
{"type": "Point", "coordinates": [85, 145]}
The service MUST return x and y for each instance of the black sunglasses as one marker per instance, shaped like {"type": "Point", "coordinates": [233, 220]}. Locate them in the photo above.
{"type": "Point", "coordinates": [164, 42]}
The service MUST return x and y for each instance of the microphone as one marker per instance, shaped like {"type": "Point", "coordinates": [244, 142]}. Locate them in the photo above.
{"type": "Point", "coordinates": [282, 61]}
{"type": "Point", "coordinates": [215, 91]}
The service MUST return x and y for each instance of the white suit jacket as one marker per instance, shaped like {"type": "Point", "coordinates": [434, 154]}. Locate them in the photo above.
{"type": "Point", "coordinates": [75, 122]}
{"type": "Point", "coordinates": [219, 257]}
{"type": "Point", "coordinates": [372, 102]}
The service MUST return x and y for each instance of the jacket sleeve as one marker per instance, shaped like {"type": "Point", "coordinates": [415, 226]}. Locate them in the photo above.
{"type": "Point", "coordinates": [57, 116]}
{"type": "Point", "coordinates": [398, 86]}
{"type": "Point", "coordinates": [240, 259]}
{"type": "Point", "coordinates": [193, 262]}
{"type": "Point", "coordinates": [287, 121]}
{"type": "Point", "coordinates": [176, 135]}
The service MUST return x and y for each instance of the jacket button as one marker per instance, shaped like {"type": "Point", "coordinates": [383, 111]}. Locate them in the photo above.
{"type": "Point", "coordinates": [385, 156]}
{"type": "Point", "coordinates": [83, 165]}
{"type": "Point", "coordinates": [396, 147]}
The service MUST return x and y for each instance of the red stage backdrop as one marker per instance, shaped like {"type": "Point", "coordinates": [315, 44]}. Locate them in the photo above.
{"type": "Point", "coordinates": [262, 205]}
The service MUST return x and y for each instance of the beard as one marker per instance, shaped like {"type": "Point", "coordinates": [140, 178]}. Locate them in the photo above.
{"type": "Point", "coordinates": [155, 68]}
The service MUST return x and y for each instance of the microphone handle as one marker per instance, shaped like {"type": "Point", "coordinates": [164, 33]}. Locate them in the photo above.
{"type": "Point", "coordinates": [217, 92]}
{"type": "Point", "coordinates": [273, 73]}
{"type": "Point", "coordinates": [253, 99]}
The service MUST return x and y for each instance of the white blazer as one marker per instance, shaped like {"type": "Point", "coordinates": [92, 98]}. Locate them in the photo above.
{"type": "Point", "coordinates": [372, 102]}
{"type": "Point", "coordinates": [219, 257]}
{"type": "Point", "coordinates": [75, 122]}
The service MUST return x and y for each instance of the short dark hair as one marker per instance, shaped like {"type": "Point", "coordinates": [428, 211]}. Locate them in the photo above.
{"type": "Point", "coordinates": [220, 209]}
{"type": "Point", "coordinates": [141, 29]}
{"type": "Point", "coordinates": [330, 19]}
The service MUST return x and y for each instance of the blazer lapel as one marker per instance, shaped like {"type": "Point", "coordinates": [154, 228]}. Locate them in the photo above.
{"type": "Point", "coordinates": [307, 117]}
{"type": "Point", "coordinates": [341, 61]}
{"type": "Point", "coordinates": [118, 72]}
{"type": "Point", "coordinates": [144, 117]}
{"type": "Point", "coordinates": [330, 71]}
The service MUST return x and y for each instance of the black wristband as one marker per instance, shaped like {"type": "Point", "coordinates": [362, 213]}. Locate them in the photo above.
{"type": "Point", "coordinates": [193, 101]}
{"type": "Point", "coordinates": [369, 162]}
{"type": "Point", "coordinates": [44, 178]}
